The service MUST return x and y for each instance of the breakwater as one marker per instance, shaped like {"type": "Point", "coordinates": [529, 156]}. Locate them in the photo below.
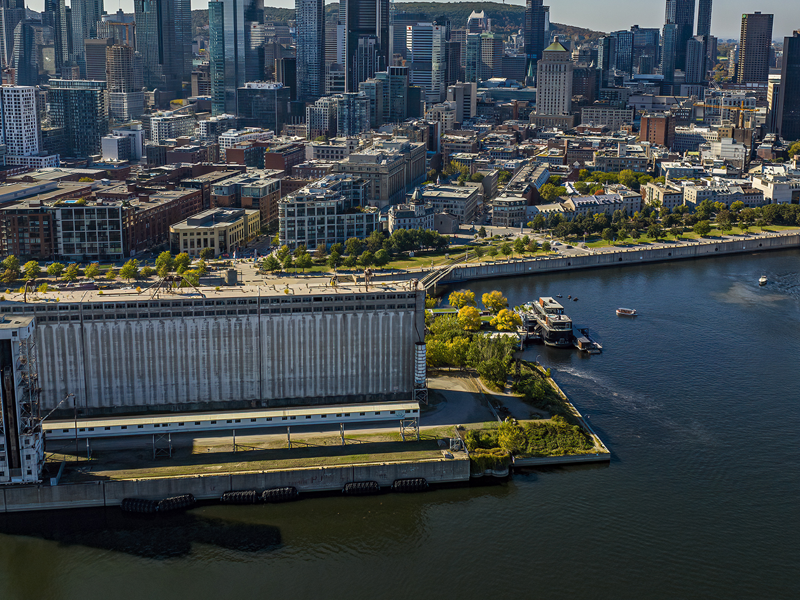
{"type": "Point", "coordinates": [94, 494]}
{"type": "Point", "coordinates": [623, 256]}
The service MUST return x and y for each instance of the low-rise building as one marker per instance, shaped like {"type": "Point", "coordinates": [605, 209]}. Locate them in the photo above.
{"type": "Point", "coordinates": [459, 201]}
{"type": "Point", "coordinates": [727, 194]}
{"type": "Point", "coordinates": [778, 189]}
{"type": "Point", "coordinates": [414, 215]}
{"type": "Point", "coordinates": [509, 211]}
{"type": "Point", "coordinates": [604, 115]}
{"type": "Point", "coordinates": [384, 170]}
{"type": "Point", "coordinates": [256, 189]}
{"type": "Point", "coordinates": [604, 203]}
{"type": "Point", "coordinates": [329, 211]}
{"type": "Point", "coordinates": [221, 229]}
{"type": "Point", "coordinates": [666, 196]}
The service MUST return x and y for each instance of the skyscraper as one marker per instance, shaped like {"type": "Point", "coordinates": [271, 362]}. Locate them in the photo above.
{"type": "Point", "coordinates": [164, 39]}
{"type": "Point", "coordinates": [26, 68]}
{"type": "Point", "coordinates": [310, 16]}
{"type": "Point", "coordinates": [696, 60]}
{"type": "Point", "coordinates": [226, 32]}
{"type": "Point", "coordinates": [426, 47]}
{"type": "Point", "coordinates": [788, 120]}
{"type": "Point", "coordinates": [55, 14]}
{"type": "Point", "coordinates": [10, 16]}
{"type": "Point", "coordinates": [554, 81]}
{"type": "Point", "coordinates": [623, 51]}
{"type": "Point", "coordinates": [535, 34]}
{"type": "Point", "coordinates": [669, 51]}
{"type": "Point", "coordinates": [680, 13]}
{"type": "Point", "coordinates": [19, 120]}
{"type": "Point", "coordinates": [364, 18]}
{"type": "Point", "coordinates": [754, 47]}
{"type": "Point", "coordinates": [704, 18]}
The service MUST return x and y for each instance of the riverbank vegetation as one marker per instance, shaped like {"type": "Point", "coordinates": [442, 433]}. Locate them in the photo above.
{"type": "Point", "coordinates": [556, 437]}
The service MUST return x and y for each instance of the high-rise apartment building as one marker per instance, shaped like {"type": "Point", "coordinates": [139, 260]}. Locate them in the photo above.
{"type": "Point", "coordinates": [425, 43]}
{"type": "Point", "coordinates": [264, 105]}
{"type": "Point", "coordinates": [25, 56]}
{"type": "Point", "coordinates": [623, 51]}
{"type": "Point", "coordinates": [310, 16]}
{"type": "Point", "coordinates": [473, 57]}
{"type": "Point", "coordinates": [125, 80]}
{"type": "Point", "coordinates": [164, 39]}
{"type": "Point", "coordinates": [79, 108]}
{"type": "Point", "coordinates": [352, 114]}
{"type": "Point", "coordinates": [226, 32]}
{"type": "Point", "coordinates": [20, 125]}
{"type": "Point", "coordinates": [696, 60]}
{"type": "Point", "coordinates": [788, 118]}
{"type": "Point", "coordinates": [754, 48]}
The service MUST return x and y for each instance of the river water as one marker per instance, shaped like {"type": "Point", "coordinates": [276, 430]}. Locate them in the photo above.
{"type": "Point", "coordinates": [697, 399]}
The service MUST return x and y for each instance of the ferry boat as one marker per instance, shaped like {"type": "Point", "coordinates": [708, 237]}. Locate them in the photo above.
{"type": "Point", "coordinates": [550, 323]}
{"type": "Point", "coordinates": [626, 312]}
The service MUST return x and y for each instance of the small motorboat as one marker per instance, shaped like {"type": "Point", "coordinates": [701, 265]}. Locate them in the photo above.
{"type": "Point", "coordinates": [569, 297]}
{"type": "Point", "coordinates": [763, 280]}
{"type": "Point", "coordinates": [626, 312]}
{"type": "Point", "coordinates": [574, 299]}
{"type": "Point", "coordinates": [559, 296]}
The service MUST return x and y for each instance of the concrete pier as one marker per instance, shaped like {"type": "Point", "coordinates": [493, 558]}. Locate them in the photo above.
{"type": "Point", "coordinates": [211, 487]}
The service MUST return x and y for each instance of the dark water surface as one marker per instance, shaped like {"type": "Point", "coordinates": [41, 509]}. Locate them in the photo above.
{"type": "Point", "coordinates": [697, 399]}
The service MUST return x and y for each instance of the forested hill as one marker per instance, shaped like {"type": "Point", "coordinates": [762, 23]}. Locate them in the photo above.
{"type": "Point", "coordinates": [506, 18]}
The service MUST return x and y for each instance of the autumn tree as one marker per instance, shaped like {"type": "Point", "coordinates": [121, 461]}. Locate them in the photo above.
{"type": "Point", "coordinates": [494, 301]}
{"type": "Point", "coordinates": [130, 270]}
{"type": "Point", "coordinates": [462, 298]}
{"type": "Point", "coordinates": [469, 318]}
{"type": "Point", "coordinates": [506, 320]}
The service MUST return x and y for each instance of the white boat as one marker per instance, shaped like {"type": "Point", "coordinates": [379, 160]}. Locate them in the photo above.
{"type": "Point", "coordinates": [626, 312]}
{"type": "Point", "coordinates": [763, 280]}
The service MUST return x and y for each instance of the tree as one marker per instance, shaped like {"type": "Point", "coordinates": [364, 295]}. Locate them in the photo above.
{"type": "Point", "coordinates": [494, 301]}
{"type": "Point", "coordinates": [503, 176]}
{"type": "Point", "coordinates": [655, 232]}
{"type": "Point", "coordinates": [190, 277]}
{"type": "Point", "coordinates": [469, 318]}
{"type": "Point", "coordinates": [165, 263]}
{"type": "Point", "coordinates": [724, 220]}
{"type": "Point", "coordinates": [506, 249]}
{"type": "Point", "coordinates": [338, 248]}
{"type": "Point", "coordinates": [111, 274]}
{"type": "Point", "coordinates": [320, 252]}
{"type": "Point", "coordinates": [86, 180]}
{"type": "Point", "coordinates": [381, 257]}
{"type": "Point", "coordinates": [538, 221]}
{"type": "Point", "coordinates": [334, 260]}
{"type": "Point", "coordinates": [93, 271]}
{"type": "Point", "coordinates": [145, 273]}
{"type": "Point", "coordinates": [288, 262]}
{"type": "Point", "coordinates": [130, 270]}
{"type": "Point", "coordinates": [11, 263]}
{"type": "Point", "coordinates": [545, 246]}
{"type": "Point", "coordinates": [608, 234]}
{"type": "Point", "coordinates": [375, 241]}
{"type": "Point", "coordinates": [207, 253]}
{"type": "Point", "coordinates": [675, 232]}
{"type": "Point", "coordinates": [182, 262]}
{"type": "Point", "coordinates": [519, 245]}
{"type": "Point", "coordinates": [533, 246]}
{"type": "Point", "coordinates": [462, 298]}
{"type": "Point", "coordinates": [304, 261]}
{"type": "Point", "coordinates": [56, 269]}
{"type": "Point", "coordinates": [71, 273]}
{"type": "Point", "coordinates": [353, 246]}
{"type": "Point", "coordinates": [506, 320]}
{"type": "Point", "coordinates": [367, 259]}
{"type": "Point", "coordinates": [482, 232]}
{"type": "Point", "coordinates": [492, 251]}
{"type": "Point", "coordinates": [32, 270]}
{"type": "Point", "coordinates": [476, 177]}
{"type": "Point", "coordinates": [702, 228]}
{"type": "Point", "coordinates": [300, 250]}
{"type": "Point", "coordinates": [794, 149]}
{"type": "Point", "coordinates": [479, 251]}
{"type": "Point", "coordinates": [283, 252]}
{"type": "Point", "coordinates": [628, 179]}
{"type": "Point", "coordinates": [271, 264]}
{"type": "Point", "coordinates": [551, 193]}
{"type": "Point", "coordinates": [201, 268]}
{"type": "Point", "coordinates": [350, 261]}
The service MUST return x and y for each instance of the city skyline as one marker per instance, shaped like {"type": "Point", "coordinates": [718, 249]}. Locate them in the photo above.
{"type": "Point", "coordinates": [606, 17]}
